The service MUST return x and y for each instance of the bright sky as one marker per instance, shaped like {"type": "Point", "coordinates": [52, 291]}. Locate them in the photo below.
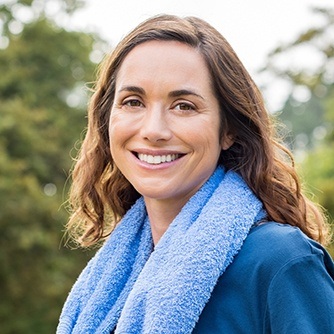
{"type": "Point", "coordinates": [253, 27]}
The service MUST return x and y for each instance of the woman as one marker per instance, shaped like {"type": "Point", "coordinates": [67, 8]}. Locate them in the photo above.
{"type": "Point", "coordinates": [205, 226]}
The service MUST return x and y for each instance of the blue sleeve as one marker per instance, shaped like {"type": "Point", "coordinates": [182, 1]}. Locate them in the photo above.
{"type": "Point", "coordinates": [301, 298]}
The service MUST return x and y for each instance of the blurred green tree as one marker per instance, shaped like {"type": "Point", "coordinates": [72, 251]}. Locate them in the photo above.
{"type": "Point", "coordinates": [306, 63]}
{"type": "Point", "coordinates": [44, 70]}
{"type": "Point", "coordinates": [318, 166]}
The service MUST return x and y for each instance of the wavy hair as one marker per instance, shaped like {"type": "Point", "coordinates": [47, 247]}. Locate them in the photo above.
{"type": "Point", "coordinates": [100, 195]}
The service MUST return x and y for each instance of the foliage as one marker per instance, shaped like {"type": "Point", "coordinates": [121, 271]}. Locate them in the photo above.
{"type": "Point", "coordinates": [318, 166]}
{"type": "Point", "coordinates": [43, 98]}
{"type": "Point", "coordinates": [316, 40]}
{"type": "Point", "coordinates": [306, 63]}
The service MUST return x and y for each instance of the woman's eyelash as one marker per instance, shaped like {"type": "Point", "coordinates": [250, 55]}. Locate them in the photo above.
{"type": "Point", "coordinates": [183, 106]}
{"type": "Point", "coordinates": [132, 103]}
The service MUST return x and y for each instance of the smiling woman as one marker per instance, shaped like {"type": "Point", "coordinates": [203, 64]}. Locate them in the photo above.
{"type": "Point", "coordinates": [163, 102]}
{"type": "Point", "coordinates": [208, 217]}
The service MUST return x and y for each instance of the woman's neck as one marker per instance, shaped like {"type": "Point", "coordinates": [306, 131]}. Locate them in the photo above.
{"type": "Point", "coordinates": [161, 213]}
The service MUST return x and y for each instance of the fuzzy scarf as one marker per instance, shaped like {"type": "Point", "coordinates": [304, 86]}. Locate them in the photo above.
{"type": "Point", "coordinates": [140, 290]}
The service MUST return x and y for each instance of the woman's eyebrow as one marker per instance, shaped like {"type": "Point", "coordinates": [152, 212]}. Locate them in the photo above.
{"type": "Point", "coordinates": [133, 89]}
{"type": "Point", "coordinates": [182, 92]}
{"type": "Point", "coordinates": [174, 93]}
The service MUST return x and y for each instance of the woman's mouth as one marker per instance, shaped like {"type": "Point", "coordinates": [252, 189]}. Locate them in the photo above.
{"type": "Point", "coordinates": [157, 159]}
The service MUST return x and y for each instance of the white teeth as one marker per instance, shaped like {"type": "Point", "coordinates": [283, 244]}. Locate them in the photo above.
{"type": "Point", "coordinates": [157, 159]}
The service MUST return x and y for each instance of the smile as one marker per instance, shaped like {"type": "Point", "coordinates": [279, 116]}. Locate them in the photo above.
{"type": "Point", "coordinates": [157, 159]}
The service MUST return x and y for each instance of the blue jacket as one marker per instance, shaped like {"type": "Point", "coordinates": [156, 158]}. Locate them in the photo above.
{"type": "Point", "coordinates": [281, 282]}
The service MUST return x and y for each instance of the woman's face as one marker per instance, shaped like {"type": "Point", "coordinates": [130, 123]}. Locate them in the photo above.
{"type": "Point", "coordinates": [164, 123]}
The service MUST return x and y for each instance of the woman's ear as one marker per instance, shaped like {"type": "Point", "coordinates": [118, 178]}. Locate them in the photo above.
{"type": "Point", "coordinates": [226, 142]}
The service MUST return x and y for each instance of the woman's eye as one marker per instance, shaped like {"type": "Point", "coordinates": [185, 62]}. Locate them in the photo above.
{"type": "Point", "coordinates": [132, 103]}
{"type": "Point", "coordinates": [184, 107]}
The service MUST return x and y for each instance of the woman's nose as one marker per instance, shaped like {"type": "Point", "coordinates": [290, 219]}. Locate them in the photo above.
{"type": "Point", "coordinates": [155, 126]}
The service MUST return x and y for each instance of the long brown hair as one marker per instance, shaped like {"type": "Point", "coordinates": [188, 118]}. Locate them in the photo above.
{"type": "Point", "coordinates": [100, 195]}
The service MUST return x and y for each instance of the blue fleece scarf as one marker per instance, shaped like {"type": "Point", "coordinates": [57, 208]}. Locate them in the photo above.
{"type": "Point", "coordinates": [140, 290]}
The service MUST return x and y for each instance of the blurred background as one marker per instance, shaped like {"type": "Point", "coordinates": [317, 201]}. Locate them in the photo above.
{"type": "Point", "coordinates": [49, 53]}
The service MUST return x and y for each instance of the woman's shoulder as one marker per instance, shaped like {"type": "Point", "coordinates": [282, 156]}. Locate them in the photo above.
{"type": "Point", "coordinates": [279, 259]}
{"type": "Point", "coordinates": [277, 266]}
{"type": "Point", "coordinates": [282, 240]}
{"type": "Point", "coordinates": [274, 245]}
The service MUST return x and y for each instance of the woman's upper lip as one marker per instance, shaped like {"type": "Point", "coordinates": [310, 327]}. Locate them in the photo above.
{"type": "Point", "coordinates": [157, 152]}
